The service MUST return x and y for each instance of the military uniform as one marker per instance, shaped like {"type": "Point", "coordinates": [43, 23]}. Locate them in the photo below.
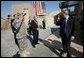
{"type": "Point", "coordinates": [20, 34]}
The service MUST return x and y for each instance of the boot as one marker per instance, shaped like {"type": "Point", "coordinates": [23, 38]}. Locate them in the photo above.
{"type": "Point", "coordinates": [25, 53]}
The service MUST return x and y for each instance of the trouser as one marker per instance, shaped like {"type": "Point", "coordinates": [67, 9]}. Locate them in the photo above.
{"type": "Point", "coordinates": [15, 39]}
{"type": "Point", "coordinates": [35, 36]}
{"type": "Point", "coordinates": [22, 44]}
{"type": "Point", "coordinates": [66, 45]}
{"type": "Point", "coordinates": [30, 30]}
{"type": "Point", "coordinates": [44, 26]}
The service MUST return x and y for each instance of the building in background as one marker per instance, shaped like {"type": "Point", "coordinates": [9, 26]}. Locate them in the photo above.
{"type": "Point", "coordinates": [24, 8]}
{"type": "Point", "coordinates": [38, 10]}
{"type": "Point", "coordinates": [51, 19]}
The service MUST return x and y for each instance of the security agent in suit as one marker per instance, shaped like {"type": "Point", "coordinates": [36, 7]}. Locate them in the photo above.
{"type": "Point", "coordinates": [14, 29]}
{"type": "Point", "coordinates": [30, 27]}
{"type": "Point", "coordinates": [43, 24]}
{"type": "Point", "coordinates": [35, 31]}
{"type": "Point", "coordinates": [66, 31]}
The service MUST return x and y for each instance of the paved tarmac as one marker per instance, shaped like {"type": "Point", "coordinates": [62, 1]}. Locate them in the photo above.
{"type": "Point", "coordinates": [50, 45]}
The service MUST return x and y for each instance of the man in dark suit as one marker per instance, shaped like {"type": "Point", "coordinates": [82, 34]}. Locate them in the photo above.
{"type": "Point", "coordinates": [43, 24]}
{"type": "Point", "coordinates": [30, 27]}
{"type": "Point", "coordinates": [13, 29]}
{"type": "Point", "coordinates": [35, 31]}
{"type": "Point", "coordinates": [66, 31]}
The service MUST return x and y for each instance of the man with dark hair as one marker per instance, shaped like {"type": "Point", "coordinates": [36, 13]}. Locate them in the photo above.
{"type": "Point", "coordinates": [67, 26]}
{"type": "Point", "coordinates": [14, 29]}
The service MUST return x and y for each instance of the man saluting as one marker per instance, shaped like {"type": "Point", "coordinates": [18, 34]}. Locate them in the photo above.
{"type": "Point", "coordinates": [20, 31]}
{"type": "Point", "coordinates": [67, 26]}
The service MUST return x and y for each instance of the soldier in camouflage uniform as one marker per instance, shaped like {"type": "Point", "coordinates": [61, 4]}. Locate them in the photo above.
{"type": "Point", "coordinates": [21, 32]}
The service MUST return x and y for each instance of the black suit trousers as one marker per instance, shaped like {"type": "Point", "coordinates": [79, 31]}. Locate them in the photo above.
{"type": "Point", "coordinates": [16, 42]}
{"type": "Point", "coordinates": [30, 30]}
{"type": "Point", "coordinates": [66, 44]}
{"type": "Point", "coordinates": [35, 36]}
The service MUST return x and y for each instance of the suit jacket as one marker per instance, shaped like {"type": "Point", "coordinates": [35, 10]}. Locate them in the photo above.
{"type": "Point", "coordinates": [69, 28]}
{"type": "Point", "coordinates": [30, 24]}
{"type": "Point", "coordinates": [34, 25]}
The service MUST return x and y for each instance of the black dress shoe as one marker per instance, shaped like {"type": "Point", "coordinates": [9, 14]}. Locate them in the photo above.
{"type": "Point", "coordinates": [33, 45]}
{"type": "Point", "coordinates": [69, 55]}
{"type": "Point", "coordinates": [62, 52]}
{"type": "Point", "coordinates": [36, 43]}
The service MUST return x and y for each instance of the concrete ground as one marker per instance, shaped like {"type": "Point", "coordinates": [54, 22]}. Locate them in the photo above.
{"type": "Point", "coordinates": [50, 45]}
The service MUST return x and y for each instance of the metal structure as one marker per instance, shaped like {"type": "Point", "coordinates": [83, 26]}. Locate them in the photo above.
{"type": "Point", "coordinates": [67, 5]}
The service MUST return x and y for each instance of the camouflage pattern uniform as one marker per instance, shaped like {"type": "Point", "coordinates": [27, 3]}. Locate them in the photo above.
{"type": "Point", "coordinates": [21, 34]}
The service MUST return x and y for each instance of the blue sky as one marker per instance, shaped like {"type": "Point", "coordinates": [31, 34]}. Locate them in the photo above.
{"type": "Point", "coordinates": [6, 6]}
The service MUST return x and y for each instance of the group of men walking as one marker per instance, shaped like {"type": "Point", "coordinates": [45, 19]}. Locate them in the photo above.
{"type": "Point", "coordinates": [20, 31]}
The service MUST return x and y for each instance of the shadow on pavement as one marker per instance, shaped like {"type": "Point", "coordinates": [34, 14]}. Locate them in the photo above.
{"type": "Point", "coordinates": [30, 39]}
{"type": "Point", "coordinates": [56, 45]}
{"type": "Point", "coordinates": [73, 50]}
{"type": "Point", "coordinates": [76, 53]}
{"type": "Point", "coordinates": [50, 46]}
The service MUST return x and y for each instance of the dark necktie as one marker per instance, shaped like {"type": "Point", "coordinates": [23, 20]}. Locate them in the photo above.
{"type": "Point", "coordinates": [36, 22]}
{"type": "Point", "coordinates": [64, 25]}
